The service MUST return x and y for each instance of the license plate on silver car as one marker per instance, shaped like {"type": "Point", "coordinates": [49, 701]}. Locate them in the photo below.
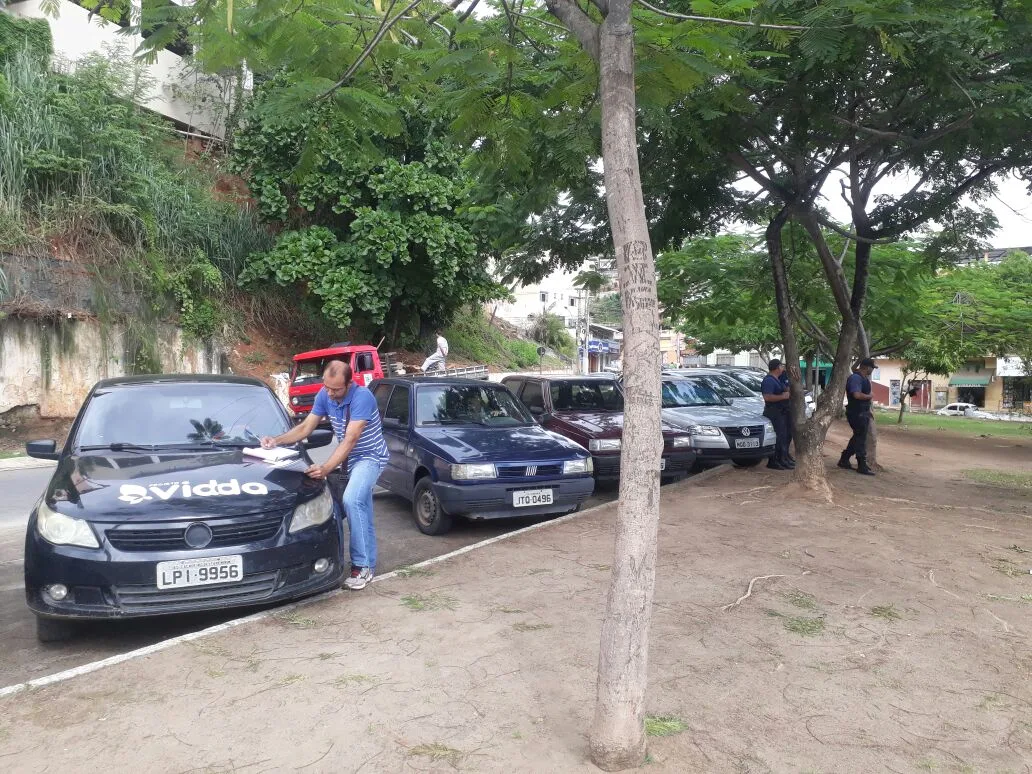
{"type": "Point", "coordinates": [531, 497]}
{"type": "Point", "coordinates": [747, 443]}
{"type": "Point", "coordinates": [201, 571]}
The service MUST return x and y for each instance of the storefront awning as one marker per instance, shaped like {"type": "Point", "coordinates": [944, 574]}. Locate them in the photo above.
{"type": "Point", "coordinates": [969, 381]}
{"type": "Point", "coordinates": [820, 364]}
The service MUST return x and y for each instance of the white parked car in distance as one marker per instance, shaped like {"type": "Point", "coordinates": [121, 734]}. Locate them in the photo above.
{"type": "Point", "coordinates": [963, 410]}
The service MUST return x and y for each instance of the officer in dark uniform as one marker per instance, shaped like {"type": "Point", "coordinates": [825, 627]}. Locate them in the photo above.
{"type": "Point", "coordinates": [791, 420]}
{"type": "Point", "coordinates": [858, 414]}
{"type": "Point", "coordinates": [776, 408]}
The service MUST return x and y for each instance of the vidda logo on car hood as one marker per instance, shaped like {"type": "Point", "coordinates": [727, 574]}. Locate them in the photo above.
{"type": "Point", "coordinates": [135, 494]}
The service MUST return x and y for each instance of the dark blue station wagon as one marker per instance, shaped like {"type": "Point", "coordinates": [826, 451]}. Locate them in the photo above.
{"type": "Point", "coordinates": [463, 447]}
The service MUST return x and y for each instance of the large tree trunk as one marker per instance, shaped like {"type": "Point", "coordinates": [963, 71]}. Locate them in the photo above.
{"type": "Point", "coordinates": [618, 736]}
{"type": "Point", "coordinates": [809, 459]}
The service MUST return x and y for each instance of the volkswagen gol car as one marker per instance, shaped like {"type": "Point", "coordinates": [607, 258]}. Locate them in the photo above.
{"type": "Point", "coordinates": [720, 431]}
{"type": "Point", "coordinates": [464, 447]}
{"type": "Point", "coordinates": [155, 509]}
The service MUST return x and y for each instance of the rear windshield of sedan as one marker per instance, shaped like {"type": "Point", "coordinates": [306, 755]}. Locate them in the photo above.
{"type": "Point", "coordinates": [689, 392]}
{"type": "Point", "coordinates": [469, 405]}
{"type": "Point", "coordinates": [586, 396]}
{"type": "Point", "coordinates": [181, 414]}
{"type": "Point", "coordinates": [751, 380]}
{"type": "Point", "coordinates": [724, 386]}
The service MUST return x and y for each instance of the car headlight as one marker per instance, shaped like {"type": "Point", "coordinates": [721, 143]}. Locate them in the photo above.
{"type": "Point", "coordinates": [64, 530]}
{"type": "Point", "coordinates": [680, 441]}
{"type": "Point", "coordinates": [604, 444]}
{"type": "Point", "coordinates": [470, 472]}
{"type": "Point", "coordinates": [704, 430]}
{"type": "Point", "coordinates": [312, 513]}
{"type": "Point", "coordinates": [578, 467]}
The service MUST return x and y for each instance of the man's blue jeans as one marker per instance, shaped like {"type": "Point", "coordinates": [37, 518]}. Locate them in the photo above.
{"type": "Point", "coordinates": [358, 505]}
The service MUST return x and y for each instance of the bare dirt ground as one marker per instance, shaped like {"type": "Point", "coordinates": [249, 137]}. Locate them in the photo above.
{"type": "Point", "coordinates": [892, 636]}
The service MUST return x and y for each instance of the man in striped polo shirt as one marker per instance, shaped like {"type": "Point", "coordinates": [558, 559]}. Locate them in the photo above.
{"type": "Point", "coordinates": [352, 411]}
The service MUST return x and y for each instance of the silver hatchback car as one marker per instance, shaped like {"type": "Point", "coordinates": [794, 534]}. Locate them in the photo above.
{"type": "Point", "coordinates": [720, 431]}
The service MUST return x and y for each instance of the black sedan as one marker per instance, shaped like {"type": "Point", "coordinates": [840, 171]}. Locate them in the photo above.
{"type": "Point", "coordinates": [155, 508]}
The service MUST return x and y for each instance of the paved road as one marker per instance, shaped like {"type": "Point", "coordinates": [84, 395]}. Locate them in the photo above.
{"type": "Point", "coordinates": [23, 658]}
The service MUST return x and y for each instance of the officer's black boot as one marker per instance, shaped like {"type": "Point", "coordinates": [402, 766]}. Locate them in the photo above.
{"type": "Point", "coordinates": [843, 461]}
{"type": "Point", "coordinates": [861, 467]}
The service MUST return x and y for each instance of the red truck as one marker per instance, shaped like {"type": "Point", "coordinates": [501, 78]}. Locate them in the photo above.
{"type": "Point", "coordinates": [306, 373]}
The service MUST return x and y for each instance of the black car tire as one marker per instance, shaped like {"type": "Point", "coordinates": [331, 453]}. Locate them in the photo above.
{"type": "Point", "coordinates": [747, 463]}
{"type": "Point", "coordinates": [52, 630]}
{"type": "Point", "coordinates": [426, 508]}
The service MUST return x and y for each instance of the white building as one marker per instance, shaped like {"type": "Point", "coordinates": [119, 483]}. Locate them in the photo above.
{"type": "Point", "coordinates": [196, 102]}
{"type": "Point", "coordinates": [555, 294]}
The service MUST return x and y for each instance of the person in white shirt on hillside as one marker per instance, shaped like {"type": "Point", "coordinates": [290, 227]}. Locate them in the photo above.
{"type": "Point", "coordinates": [437, 359]}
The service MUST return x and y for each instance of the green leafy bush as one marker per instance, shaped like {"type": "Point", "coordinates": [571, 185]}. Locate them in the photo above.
{"type": "Point", "coordinates": [375, 213]}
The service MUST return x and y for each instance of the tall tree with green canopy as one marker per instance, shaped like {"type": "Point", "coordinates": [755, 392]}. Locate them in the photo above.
{"type": "Point", "coordinates": [936, 89]}
{"type": "Point", "coordinates": [521, 87]}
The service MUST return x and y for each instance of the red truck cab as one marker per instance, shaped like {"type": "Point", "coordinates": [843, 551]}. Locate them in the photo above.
{"type": "Point", "coordinates": [306, 373]}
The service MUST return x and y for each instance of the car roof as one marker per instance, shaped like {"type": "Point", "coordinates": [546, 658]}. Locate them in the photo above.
{"type": "Point", "coordinates": [340, 349]}
{"type": "Point", "coordinates": [598, 376]}
{"type": "Point", "coordinates": [143, 379]}
{"type": "Point", "coordinates": [454, 382]}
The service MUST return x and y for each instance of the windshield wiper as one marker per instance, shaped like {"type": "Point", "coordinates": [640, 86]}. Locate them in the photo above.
{"type": "Point", "coordinates": [117, 446]}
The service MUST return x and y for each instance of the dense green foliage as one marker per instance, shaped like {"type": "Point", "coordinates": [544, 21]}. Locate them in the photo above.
{"type": "Point", "coordinates": [85, 171]}
{"type": "Point", "coordinates": [979, 309]}
{"type": "Point", "coordinates": [31, 36]}
{"type": "Point", "coordinates": [377, 220]}
{"type": "Point", "coordinates": [550, 330]}
{"type": "Point", "coordinates": [718, 291]}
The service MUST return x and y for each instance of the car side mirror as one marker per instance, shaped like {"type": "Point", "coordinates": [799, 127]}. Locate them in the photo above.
{"type": "Point", "coordinates": [321, 436]}
{"type": "Point", "coordinates": [538, 411]}
{"type": "Point", "coordinates": [42, 450]}
{"type": "Point", "coordinates": [391, 422]}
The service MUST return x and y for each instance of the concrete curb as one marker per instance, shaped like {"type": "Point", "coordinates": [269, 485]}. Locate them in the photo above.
{"type": "Point", "coordinates": [95, 666]}
{"type": "Point", "coordinates": [24, 463]}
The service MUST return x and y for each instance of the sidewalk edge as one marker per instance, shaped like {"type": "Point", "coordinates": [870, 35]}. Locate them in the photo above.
{"type": "Point", "coordinates": [157, 647]}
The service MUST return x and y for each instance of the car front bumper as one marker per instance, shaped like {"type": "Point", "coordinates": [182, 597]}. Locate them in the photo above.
{"type": "Point", "coordinates": [107, 583]}
{"type": "Point", "coordinates": [725, 453]}
{"type": "Point", "coordinates": [494, 500]}
{"type": "Point", "coordinates": [607, 466]}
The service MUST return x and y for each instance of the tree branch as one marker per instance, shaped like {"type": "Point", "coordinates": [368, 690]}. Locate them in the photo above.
{"type": "Point", "coordinates": [541, 21]}
{"type": "Point", "coordinates": [830, 224]}
{"type": "Point", "coordinates": [579, 23]}
{"type": "Point", "coordinates": [385, 27]}
{"type": "Point", "coordinates": [447, 9]}
{"type": "Point", "coordinates": [715, 20]}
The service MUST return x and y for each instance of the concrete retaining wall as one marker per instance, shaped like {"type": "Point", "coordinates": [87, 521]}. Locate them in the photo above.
{"type": "Point", "coordinates": [53, 365]}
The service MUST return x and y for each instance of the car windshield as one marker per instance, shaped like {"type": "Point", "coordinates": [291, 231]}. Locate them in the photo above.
{"type": "Point", "coordinates": [689, 392]}
{"type": "Point", "coordinates": [586, 395]}
{"type": "Point", "coordinates": [308, 372]}
{"type": "Point", "coordinates": [181, 414]}
{"type": "Point", "coordinates": [750, 379]}
{"type": "Point", "coordinates": [469, 405]}
{"type": "Point", "coordinates": [725, 387]}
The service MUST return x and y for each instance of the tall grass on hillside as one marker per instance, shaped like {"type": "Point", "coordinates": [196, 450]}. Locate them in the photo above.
{"type": "Point", "coordinates": [85, 171]}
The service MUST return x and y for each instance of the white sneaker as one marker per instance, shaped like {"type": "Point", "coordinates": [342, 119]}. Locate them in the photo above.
{"type": "Point", "coordinates": [360, 578]}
